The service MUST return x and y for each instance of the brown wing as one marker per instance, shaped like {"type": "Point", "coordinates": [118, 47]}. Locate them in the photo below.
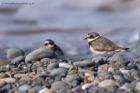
{"type": "Point", "coordinates": [104, 44]}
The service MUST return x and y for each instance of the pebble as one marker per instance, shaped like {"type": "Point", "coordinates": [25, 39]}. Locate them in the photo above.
{"type": "Point", "coordinates": [18, 59]}
{"type": "Point", "coordinates": [137, 87]}
{"type": "Point", "coordinates": [24, 88]}
{"type": "Point", "coordinates": [65, 65]}
{"type": "Point", "coordinates": [2, 83]}
{"type": "Point", "coordinates": [87, 85]}
{"type": "Point", "coordinates": [77, 89]}
{"type": "Point", "coordinates": [52, 66]}
{"type": "Point", "coordinates": [18, 76]}
{"type": "Point", "coordinates": [45, 90]}
{"type": "Point", "coordinates": [14, 52]}
{"type": "Point", "coordinates": [84, 63]}
{"type": "Point", "coordinates": [59, 85]}
{"type": "Point", "coordinates": [108, 83]}
{"type": "Point", "coordinates": [117, 58]}
{"type": "Point", "coordinates": [39, 54]}
{"type": "Point", "coordinates": [127, 87]}
{"type": "Point", "coordinates": [9, 80]}
{"type": "Point", "coordinates": [3, 75]}
{"type": "Point", "coordinates": [59, 72]}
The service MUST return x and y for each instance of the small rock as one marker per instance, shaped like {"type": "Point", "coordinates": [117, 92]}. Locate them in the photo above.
{"type": "Point", "coordinates": [73, 80]}
{"type": "Point", "coordinates": [18, 76]}
{"type": "Point", "coordinates": [126, 74]}
{"type": "Point", "coordinates": [99, 61]}
{"type": "Point", "coordinates": [9, 80]}
{"type": "Point", "coordinates": [2, 83]}
{"type": "Point", "coordinates": [83, 63]}
{"type": "Point", "coordinates": [45, 61]}
{"type": "Point", "coordinates": [24, 88]}
{"type": "Point", "coordinates": [14, 52]}
{"type": "Point", "coordinates": [31, 90]}
{"type": "Point", "coordinates": [18, 59]}
{"type": "Point", "coordinates": [39, 54]}
{"type": "Point", "coordinates": [59, 72]}
{"type": "Point", "coordinates": [59, 85]}
{"type": "Point", "coordinates": [127, 87]}
{"type": "Point", "coordinates": [3, 75]}
{"type": "Point", "coordinates": [98, 90]}
{"type": "Point", "coordinates": [137, 88]}
{"type": "Point", "coordinates": [105, 75]}
{"type": "Point", "coordinates": [45, 90]}
{"type": "Point", "coordinates": [117, 58]}
{"type": "Point", "coordinates": [52, 66]}
{"type": "Point", "coordinates": [77, 89]}
{"type": "Point", "coordinates": [107, 83]}
{"type": "Point", "coordinates": [65, 65]}
{"type": "Point", "coordinates": [87, 85]}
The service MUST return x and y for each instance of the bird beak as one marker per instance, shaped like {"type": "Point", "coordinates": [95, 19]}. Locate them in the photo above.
{"type": "Point", "coordinates": [85, 38]}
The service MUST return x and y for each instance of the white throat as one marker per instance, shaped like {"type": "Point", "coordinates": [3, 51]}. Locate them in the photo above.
{"type": "Point", "coordinates": [89, 40]}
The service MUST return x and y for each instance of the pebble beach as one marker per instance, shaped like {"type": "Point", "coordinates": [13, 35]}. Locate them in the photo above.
{"type": "Point", "coordinates": [26, 66]}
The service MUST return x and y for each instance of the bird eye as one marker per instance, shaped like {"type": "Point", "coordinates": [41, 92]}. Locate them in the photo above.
{"type": "Point", "coordinates": [46, 44]}
{"type": "Point", "coordinates": [91, 36]}
{"type": "Point", "coordinates": [51, 43]}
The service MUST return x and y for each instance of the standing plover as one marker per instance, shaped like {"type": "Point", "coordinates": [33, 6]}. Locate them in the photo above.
{"type": "Point", "coordinates": [101, 45]}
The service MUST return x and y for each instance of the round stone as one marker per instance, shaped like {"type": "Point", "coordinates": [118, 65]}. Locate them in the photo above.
{"type": "Point", "coordinates": [14, 52]}
{"type": "Point", "coordinates": [45, 90]}
{"type": "Point", "coordinates": [59, 72]}
{"type": "Point", "coordinates": [107, 83]}
{"type": "Point", "coordinates": [18, 59]}
{"type": "Point", "coordinates": [2, 83]}
{"type": "Point", "coordinates": [24, 88]}
{"type": "Point", "coordinates": [83, 63]}
{"type": "Point", "coordinates": [38, 54]}
{"type": "Point", "coordinates": [9, 80]}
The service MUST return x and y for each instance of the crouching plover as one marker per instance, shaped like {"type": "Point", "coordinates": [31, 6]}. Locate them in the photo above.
{"type": "Point", "coordinates": [57, 50]}
{"type": "Point", "coordinates": [101, 45]}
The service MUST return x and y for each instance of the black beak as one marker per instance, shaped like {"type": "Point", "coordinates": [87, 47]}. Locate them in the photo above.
{"type": "Point", "coordinates": [85, 38]}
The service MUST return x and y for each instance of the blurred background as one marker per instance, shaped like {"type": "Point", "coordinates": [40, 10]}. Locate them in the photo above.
{"type": "Point", "coordinates": [28, 23]}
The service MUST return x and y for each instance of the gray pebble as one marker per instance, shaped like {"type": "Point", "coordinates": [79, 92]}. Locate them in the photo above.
{"type": "Point", "coordinates": [84, 63]}
{"type": "Point", "coordinates": [2, 83]}
{"type": "Point", "coordinates": [127, 87]}
{"type": "Point", "coordinates": [52, 66]}
{"type": "Point", "coordinates": [24, 88]}
{"type": "Point", "coordinates": [14, 52]}
{"type": "Point", "coordinates": [59, 72]}
{"type": "Point", "coordinates": [18, 59]}
{"type": "Point", "coordinates": [38, 54]}
{"type": "Point", "coordinates": [60, 87]}
{"type": "Point", "coordinates": [137, 88]}
{"type": "Point", "coordinates": [73, 80]}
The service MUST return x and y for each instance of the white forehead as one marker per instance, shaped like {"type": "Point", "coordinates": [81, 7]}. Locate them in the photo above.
{"type": "Point", "coordinates": [46, 41]}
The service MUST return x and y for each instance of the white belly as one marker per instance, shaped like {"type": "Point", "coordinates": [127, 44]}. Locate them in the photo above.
{"type": "Point", "coordinates": [97, 52]}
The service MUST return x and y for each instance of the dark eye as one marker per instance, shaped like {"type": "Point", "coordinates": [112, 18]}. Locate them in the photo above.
{"type": "Point", "coordinates": [46, 44]}
{"type": "Point", "coordinates": [91, 36]}
{"type": "Point", "coordinates": [51, 43]}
